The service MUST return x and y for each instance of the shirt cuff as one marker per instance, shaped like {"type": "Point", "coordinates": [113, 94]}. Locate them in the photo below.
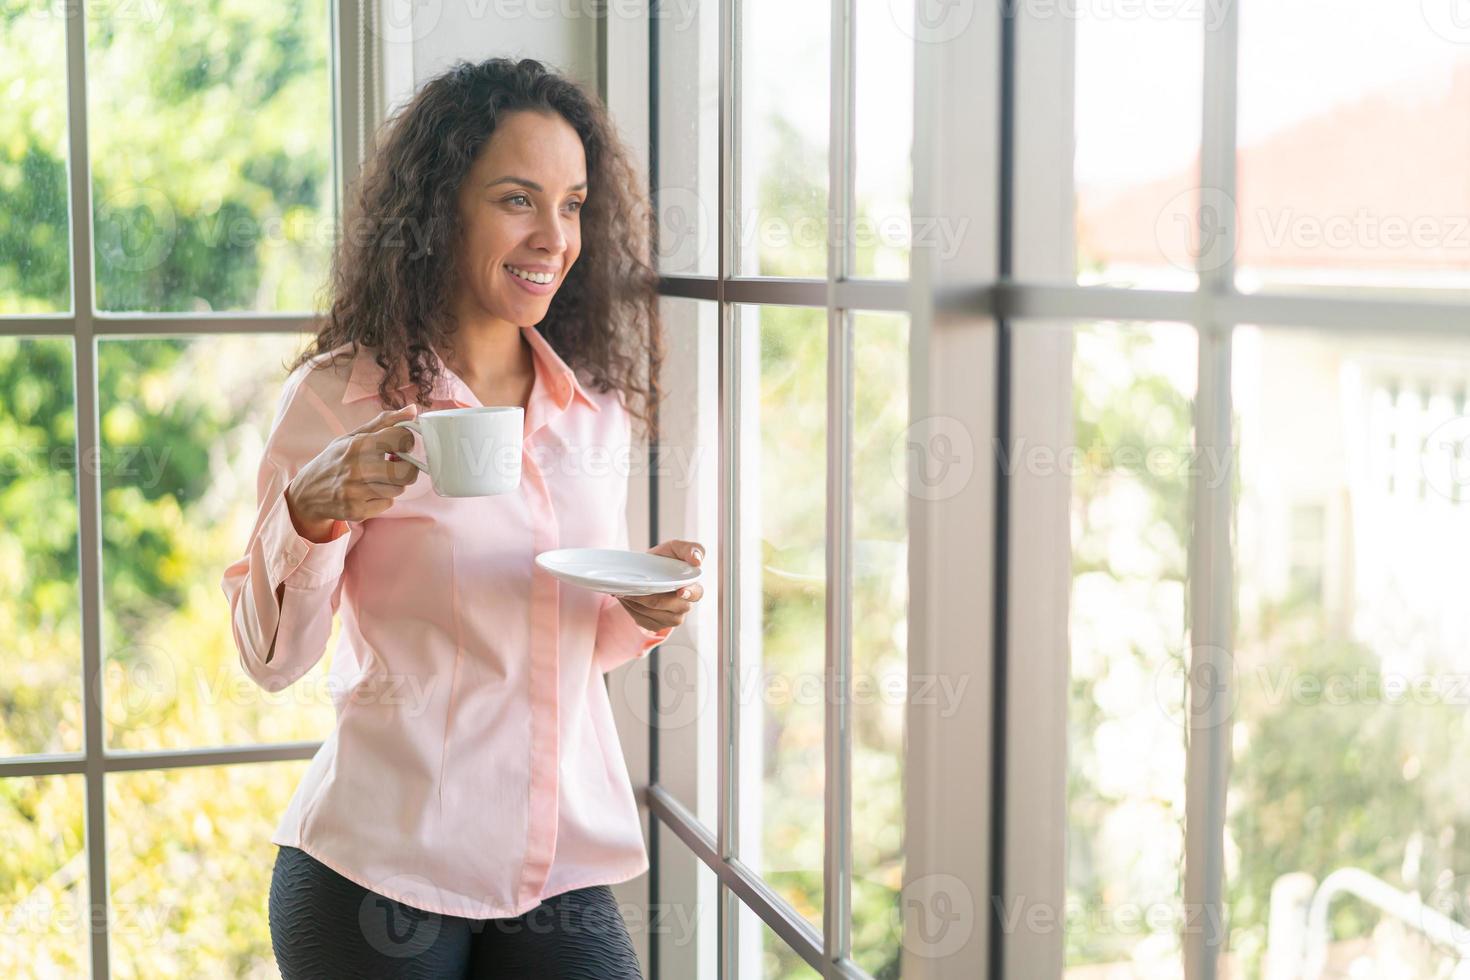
{"type": "Point", "coordinates": [621, 639]}
{"type": "Point", "coordinates": [296, 561]}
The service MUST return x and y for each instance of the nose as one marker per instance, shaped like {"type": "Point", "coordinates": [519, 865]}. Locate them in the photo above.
{"type": "Point", "coordinates": [549, 236]}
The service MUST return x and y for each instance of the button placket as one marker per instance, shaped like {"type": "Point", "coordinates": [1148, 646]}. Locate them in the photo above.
{"type": "Point", "coordinates": [544, 681]}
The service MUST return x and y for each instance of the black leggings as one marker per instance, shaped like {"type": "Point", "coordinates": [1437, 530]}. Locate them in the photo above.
{"type": "Point", "coordinates": [326, 927]}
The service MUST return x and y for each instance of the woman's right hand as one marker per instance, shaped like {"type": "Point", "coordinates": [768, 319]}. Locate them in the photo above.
{"type": "Point", "coordinates": [349, 480]}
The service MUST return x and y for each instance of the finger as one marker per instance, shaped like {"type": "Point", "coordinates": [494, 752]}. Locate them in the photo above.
{"type": "Point", "coordinates": [687, 551]}
{"type": "Point", "coordinates": [381, 491]}
{"type": "Point", "coordinates": [395, 439]}
{"type": "Point", "coordinates": [661, 603]}
{"type": "Point", "coordinates": [399, 471]}
{"type": "Point", "coordinates": [387, 417]}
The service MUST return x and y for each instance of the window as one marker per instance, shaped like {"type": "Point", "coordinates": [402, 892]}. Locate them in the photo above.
{"type": "Point", "coordinates": [1258, 453]}
{"type": "Point", "coordinates": [783, 260]}
{"type": "Point", "coordinates": [142, 340]}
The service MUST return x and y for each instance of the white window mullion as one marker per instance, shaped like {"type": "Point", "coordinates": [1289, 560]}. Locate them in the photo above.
{"type": "Point", "coordinates": [1210, 677]}
{"type": "Point", "coordinates": [949, 792]}
{"type": "Point", "coordinates": [837, 685]}
{"type": "Point", "coordinates": [89, 492]}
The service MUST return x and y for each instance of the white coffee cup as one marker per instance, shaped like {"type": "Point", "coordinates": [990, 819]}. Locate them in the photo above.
{"type": "Point", "coordinates": [470, 452]}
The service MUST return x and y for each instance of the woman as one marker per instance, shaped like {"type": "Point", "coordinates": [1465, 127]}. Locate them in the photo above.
{"type": "Point", "coordinates": [470, 809]}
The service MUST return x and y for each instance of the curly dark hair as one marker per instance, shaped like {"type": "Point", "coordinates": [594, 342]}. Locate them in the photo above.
{"type": "Point", "coordinates": [394, 277]}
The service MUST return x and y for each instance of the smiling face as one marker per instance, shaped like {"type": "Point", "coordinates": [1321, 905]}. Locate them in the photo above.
{"type": "Point", "coordinates": [519, 210]}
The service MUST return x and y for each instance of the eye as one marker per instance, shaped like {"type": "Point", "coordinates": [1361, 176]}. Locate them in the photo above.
{"type": "Point", "coordinates": [578, 204]}
{"type": "Point", "coordinates": [518, 197]}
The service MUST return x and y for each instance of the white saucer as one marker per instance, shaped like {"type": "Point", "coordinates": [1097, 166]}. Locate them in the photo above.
{"type": "Point", "coordinates": [618, 572]}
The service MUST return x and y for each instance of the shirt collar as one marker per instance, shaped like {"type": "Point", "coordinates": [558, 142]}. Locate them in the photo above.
{"type": "Point", "coordinates": [563, 383]}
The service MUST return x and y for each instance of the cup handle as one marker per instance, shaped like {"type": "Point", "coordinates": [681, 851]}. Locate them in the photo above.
{"type": "Point", "coordinates": [412, 424]}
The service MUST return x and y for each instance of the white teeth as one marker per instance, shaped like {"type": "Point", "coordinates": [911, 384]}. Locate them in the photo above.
{"type": "Point", "coordinates": [544, 278]}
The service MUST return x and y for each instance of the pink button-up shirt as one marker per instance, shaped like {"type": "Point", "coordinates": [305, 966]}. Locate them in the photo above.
{"type": "Point", "coordinates": [474, 768]}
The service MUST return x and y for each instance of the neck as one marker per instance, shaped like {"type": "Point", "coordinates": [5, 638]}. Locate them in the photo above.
{"type": "Point", "coordinates": [488, 349]}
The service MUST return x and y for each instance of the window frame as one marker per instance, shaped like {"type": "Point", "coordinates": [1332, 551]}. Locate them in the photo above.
{"type": "Point", "coordinates": [356, 102]}
{"type": "Point", "coordinates": [953, 354]}
{"type": "Point", "coordinates": [989, 308]}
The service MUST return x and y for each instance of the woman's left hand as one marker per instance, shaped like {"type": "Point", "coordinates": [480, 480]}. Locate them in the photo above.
{"type": "Point", "coordinates": [661, 609]}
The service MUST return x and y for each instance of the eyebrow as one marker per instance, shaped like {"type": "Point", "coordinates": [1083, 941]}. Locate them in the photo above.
{"type": "Point", "coordinates": [529, 183]}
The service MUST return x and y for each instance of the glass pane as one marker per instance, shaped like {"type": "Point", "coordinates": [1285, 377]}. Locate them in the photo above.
{"type": "Point", "coordinates": [189, 863]}
{"type": "Point", "coordinates": [1133, 393]}
{"type": "Point", "coordinates": [1137, 159]}
{"type": "Point", "coordinates": [879, 636]}
{"type": "Point", "coordinates": [782, 59]}
{"type": "Point", "coordinates": [688, 137]}
{"type": "Point", "coordinates": [884, 135]}
{"type": "Point", "coordinates": [183, 427]}
{"type": "Point", "coordinates": [685, 923]}
{"type": "Point", "coordinates": [1353, 144]}
{"type": "Point", "coordinates": [40, 605]}
{"type": "Point", "coordinates": [782, 520]}
{"type": "Point", "coordinates": [1351, 651]}
{"type": "Point", "coordinates": [35, 240]}
{"type": "Point", "coordinates": [763, 954]}
{"type": "Point", "coordinates": [43, 879]}
{"type": "Point", "coordinates": [211, 132]}
{"type": "Point", "coordinates": [688, 469]}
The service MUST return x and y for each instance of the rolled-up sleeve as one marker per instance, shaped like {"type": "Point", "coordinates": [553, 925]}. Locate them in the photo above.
{"type": "Point", "coordinates": [279, 642]}
{"type": "Point", "coordinates": [619, 637]}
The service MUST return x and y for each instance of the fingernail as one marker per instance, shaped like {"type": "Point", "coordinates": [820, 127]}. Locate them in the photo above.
{"type": "Point", "coordinates": [683, 593]}
{"type": "Point", "coordinates": [699, 554]}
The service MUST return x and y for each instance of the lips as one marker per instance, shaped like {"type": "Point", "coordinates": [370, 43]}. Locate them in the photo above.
{"type": "Point", "coordinates": [534, 288]}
